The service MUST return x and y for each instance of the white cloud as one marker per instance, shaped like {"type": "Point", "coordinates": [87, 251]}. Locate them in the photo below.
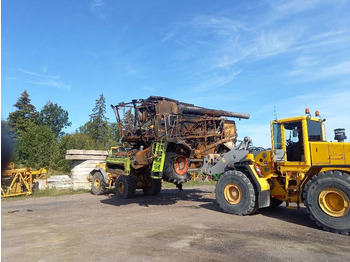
{"type": "Point", "coordinates": [96, 4]}
{"type": "Point", "coordinates": [294, 6]}
{"type": "Point", "coordinates": [304, 52]}
{"type": "Point", "coordinates": [34, 78]}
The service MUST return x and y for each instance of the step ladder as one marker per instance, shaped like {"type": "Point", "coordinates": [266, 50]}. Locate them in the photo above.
{"type": "Point", "coordinates": [291, 187]}
{"type": "Point", "coordinates": [158, 160]}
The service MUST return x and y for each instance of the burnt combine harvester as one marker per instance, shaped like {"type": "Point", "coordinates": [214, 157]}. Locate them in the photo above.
{"type": "Point", "coordinates": [167, 140]}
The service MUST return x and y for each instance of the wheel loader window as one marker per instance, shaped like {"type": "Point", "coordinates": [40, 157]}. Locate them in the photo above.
{"type": "Point", "coordinates": [294, 141]}
{"type": "Point", "coordinates": [277, 140]}
{"type": "Point", "coordinates": [277, 143]}
{"type": "Point", "coordinates": [314, 130]}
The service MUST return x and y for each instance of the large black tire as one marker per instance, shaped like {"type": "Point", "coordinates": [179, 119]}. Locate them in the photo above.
{"type": "Point", "coordinates": [98, 184]}
{"type": "Point", "coordinates": [173, 171]}
{"type": "Point", "coordinates": [326, 197]}
{"type": "Point", "coordinates": [125, 186]}
{"type": "Point", "coordinates": [236, 194]}
{"type": "Point", "coordinates": [155, 186]}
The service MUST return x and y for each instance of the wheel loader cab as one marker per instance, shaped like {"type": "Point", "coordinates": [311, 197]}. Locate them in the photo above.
{"type": "Point", "coordinates": [291, 137]}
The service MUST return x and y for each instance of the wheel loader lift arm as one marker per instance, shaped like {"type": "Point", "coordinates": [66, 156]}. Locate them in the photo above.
{"type": "Point", "coordinates": [236, 159]}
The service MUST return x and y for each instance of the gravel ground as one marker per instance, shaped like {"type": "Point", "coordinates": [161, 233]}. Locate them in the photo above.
{"type": "Point", "coordinates": [173, 226]}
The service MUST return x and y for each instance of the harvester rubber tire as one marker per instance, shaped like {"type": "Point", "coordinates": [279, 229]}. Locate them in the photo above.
{"type": "Point", "coordinates": [98, 184]}
{"type": "Point", "coordinates": [326, 197]}
{"type": "Point", "coordinates": [169, 173]}
{"type": "Point", "coordinates": [154, 189]}
{"type": "Point", "coordinates": [125, 186]}
{"type": "Point", "coordinates": [236, 194]}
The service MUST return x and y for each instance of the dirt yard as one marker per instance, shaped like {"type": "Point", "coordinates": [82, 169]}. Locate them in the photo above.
{"type": "Point", "coordinates": [173, 226]}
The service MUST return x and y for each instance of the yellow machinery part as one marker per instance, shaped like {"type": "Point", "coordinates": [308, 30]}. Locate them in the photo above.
{"type": "Point", "coordinates": [15, 182]}
{"type": "Point", "coordinates": [334, 202]}
{"type": "Point", "coordinates": [233, 193]}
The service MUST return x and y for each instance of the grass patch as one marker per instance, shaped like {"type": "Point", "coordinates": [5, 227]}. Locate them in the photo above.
{"type": "Point", "coordinates": [58, 192]}
{"type": "Point", "coordinates": [52, 192]}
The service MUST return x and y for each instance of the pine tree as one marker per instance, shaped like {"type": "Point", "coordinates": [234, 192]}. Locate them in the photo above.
{"type": "Point", "coordinates": [98, 126]}
{"type": "Point", "coordinates": [24, 118]}
{"type": "Point", "coordinates": [128, 121]}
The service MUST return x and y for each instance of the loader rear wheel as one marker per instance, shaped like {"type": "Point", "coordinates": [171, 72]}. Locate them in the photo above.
{"type": "Point", "coordinates": [327, 199]}
{"type": "Point", "coordinates": [125, 186]}
{"type": "Point", "coordinates": [98, 184]}
{"type": "Point", "coordinates": [175, 168]}
{"type": "Point", "coordinates": [236, 194]}
{"type": "Point", "coordinates": [155, 186]}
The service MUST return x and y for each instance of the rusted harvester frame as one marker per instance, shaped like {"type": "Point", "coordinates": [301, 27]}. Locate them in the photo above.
{"type": "Point", "coordinates": [16, 182]}
{"type": "Point", "coordinates": [194, 131]}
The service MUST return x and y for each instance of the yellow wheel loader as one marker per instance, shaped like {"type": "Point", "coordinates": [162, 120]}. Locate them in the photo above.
{"type": "Point", "coordinates": [300, 167]}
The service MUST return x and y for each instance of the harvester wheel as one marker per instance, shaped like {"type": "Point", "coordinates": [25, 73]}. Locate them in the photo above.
{"type": "Point", "coordinates": [235, 193]}
{"type": "Point", "coordinates": [327, 199]}
{"type": "Point", "coordinates": [155, 186]}
{"type": "Point", "coordinates": [125, 186]}
{"type": "Point", "coordinates": [175, 168]}
{"type": "Point", "coordinates": [98, 184]}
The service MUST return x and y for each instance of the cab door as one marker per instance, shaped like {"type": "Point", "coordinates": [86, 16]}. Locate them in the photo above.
{"type": "Point", "coordinates": [288, 141]}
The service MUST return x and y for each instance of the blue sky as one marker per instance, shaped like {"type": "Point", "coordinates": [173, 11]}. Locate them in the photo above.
{"type": "Point", "coordinates": [242, 56]}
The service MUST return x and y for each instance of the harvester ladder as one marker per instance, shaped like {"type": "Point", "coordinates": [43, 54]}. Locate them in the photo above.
{"type": "Point", "coordinates": [158, 160]}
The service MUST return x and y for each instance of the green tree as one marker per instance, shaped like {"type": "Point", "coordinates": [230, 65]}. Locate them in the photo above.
{"type": "Point", "coordinates": [24, 118]}
{"type": "Point", "coordinates": [111, 137]}
{"type": "Point", "coordinates": [55, 117]}
{"type": "Point", "coordinates": [34, 148]}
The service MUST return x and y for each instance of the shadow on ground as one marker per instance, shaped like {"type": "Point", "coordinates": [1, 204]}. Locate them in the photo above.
{"type": "Point", "coordinates": [295, 216]}
{"type": "Point", "coordinates": [166, 197]}
{"type": "Point", "coordinates": [173, 196]}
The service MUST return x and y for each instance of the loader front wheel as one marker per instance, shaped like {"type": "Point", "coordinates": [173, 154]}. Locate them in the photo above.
{"type": "Point", "coordinates": [98, 184]}
{"type": "Point", "coordinates": [125, 186]}
{"type": "Point", "coordinates": [327, 199]}
{"type": "Point", "coordinates": [236, 194]}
